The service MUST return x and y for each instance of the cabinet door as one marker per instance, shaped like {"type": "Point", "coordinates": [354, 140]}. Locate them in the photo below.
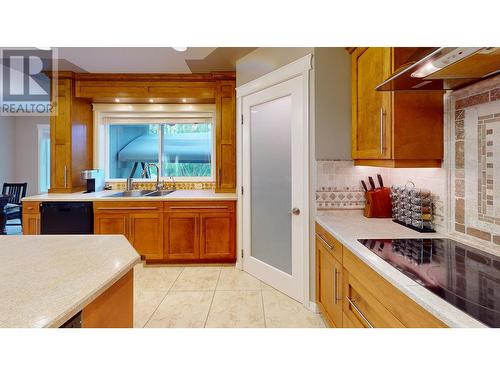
{"type": "Point", "coordinates": [217, 235]}
{"type": "Point", "coordinates": [146, 234]}
{"type": "Point", "coordinates": [225, 136]}
{"type": "Point", "coordinates": [181, 236]}
{"type": "Point", "coordinates": [371, 109]}
{"type": "Point", "coordinates": [31, 223]}
{"type": "Point", "coordinates": [329, 285]}
{"type": "Point", "coordinates": [112, 223]}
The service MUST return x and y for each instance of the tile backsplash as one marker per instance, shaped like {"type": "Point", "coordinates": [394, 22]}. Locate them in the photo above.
{"type": "Point", "coordinates": [476, 165]}
{"type": "Point", "coordinates": [166, 185]}
{"type": "Point", "coordinates": [339, 186]}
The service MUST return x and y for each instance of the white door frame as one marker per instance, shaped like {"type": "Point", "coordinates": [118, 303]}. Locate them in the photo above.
{"type": "Point", "coordinates": [300, 67]}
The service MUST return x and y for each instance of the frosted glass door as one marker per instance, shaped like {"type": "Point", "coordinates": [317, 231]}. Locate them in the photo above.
{"type": "Point", "coordinates": [271, 183]}
{"type": "Point", "coordinates": [274, 178]}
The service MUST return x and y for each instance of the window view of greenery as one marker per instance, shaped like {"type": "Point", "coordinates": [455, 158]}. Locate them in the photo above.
{"type": "Point", "coordinates": [185, 149]}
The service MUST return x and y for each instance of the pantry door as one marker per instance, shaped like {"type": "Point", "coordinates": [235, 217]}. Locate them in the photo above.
{"type": "Point", "coordinates": [275, 186]}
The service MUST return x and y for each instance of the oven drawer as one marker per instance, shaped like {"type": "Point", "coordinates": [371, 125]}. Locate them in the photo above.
{"type": "Point", "coordinates": [362, 309]}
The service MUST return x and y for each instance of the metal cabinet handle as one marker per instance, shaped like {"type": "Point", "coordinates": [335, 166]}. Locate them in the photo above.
{"type": "Point", "coordinates": [351, 302]}
{"type": "Point", "coordinates": [198, 207]}
{"type": "Point", "coordinates": [126, 208]}
{"type": "Point", "coordinates": [219, 182]}
{"type": "Point", "coordinates": [65, 176]}
{"type": "Point", "coordinates": [335, 286]}
{"type": "Point", "coordinates": [382, 140]}
{"type": "Point", "coordinates": [330, 247]}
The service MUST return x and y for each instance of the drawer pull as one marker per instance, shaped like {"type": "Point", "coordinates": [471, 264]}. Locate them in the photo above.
{"type": "Point", "coordinates": [28, 208]}
{"type": "Point", "coordinates": [197, 207]}
{"type": "Point", "coordinates": [351, 302]}
{"type": "Point", "coordinates": [335, 285]}
{"type": "Point", "coordinates": [126, 208]}
{"type": "Point", "coordinates": [330, 247]}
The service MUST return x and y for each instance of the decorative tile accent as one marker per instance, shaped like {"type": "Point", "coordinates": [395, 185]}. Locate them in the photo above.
{"type": "Point", "coordinates": [476, 148]}
{"type": "Point", "coordinates": [167, 185]}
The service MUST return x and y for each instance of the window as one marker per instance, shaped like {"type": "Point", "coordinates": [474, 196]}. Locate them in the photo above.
{"type": "Point", "coordinates": [182, 150]}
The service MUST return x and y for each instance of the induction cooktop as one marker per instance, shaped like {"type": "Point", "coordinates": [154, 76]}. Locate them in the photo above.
{"type": "Point", "coordinates": [466, 277]}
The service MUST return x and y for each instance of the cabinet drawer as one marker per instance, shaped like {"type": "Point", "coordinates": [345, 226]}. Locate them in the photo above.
{"type": "Point", "coordinates": [405, 310]}
{"type": "Point", "coordinates": [362, 308]}
{"type": "Point", "coordinates": [187, 206]}
{"type": "Point", "coordinates": [329, 242]}
{"type": "Point", "coordinates": [31, 207]}
{"type": "Point", "coordinates": [137, 206]}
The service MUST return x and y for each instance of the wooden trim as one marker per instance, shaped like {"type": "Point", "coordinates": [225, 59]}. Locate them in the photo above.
{"type": "Point", "coordinates": [114, 308]}
{"type": "Point", "coordinates": [391, 163]}
{"type": "Point", "coordinates": [164, 77]}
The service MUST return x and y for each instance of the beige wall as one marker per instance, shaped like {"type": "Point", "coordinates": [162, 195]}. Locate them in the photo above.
{"type": "Point", "coordinates": [7, 139]}
{"type": "Point", "coordinates": [264, 60]}
{"type": "Point", "coordinates": [332, 103]}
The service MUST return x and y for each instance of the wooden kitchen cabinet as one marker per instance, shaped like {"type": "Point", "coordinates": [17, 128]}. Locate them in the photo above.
{"type": "Point", "coordinates": [31, 218]}
{"type": "Point", "coordinates": [182, 236]}
{"type": "Point", "coordinates": [71, 136]}
{"type": "Point", "coordinates": [202, 231]}
{"type": "Point", "coordinates": [225, 137]}
{"type": "Point", "coordinates": [140, 222]}
{"type": "Point", "coordinates": [392, 129]}
{"type": "Point", "coordinates": [329, 284]}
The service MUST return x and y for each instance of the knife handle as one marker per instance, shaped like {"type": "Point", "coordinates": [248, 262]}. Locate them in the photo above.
{"type": "Point", "coordinates": [372, 183]}
{"type": "Point", "coordinates": [364, 185]}
{"type": "Point", "coordinates": [380, 181]}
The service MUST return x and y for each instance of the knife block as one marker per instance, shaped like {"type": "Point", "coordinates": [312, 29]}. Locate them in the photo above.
{"type": "Point", "coordinates": [378, 203]}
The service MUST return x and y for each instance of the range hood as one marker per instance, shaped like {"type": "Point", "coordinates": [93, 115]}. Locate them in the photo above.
{"type": "Point", "coordinates": [444, 68]}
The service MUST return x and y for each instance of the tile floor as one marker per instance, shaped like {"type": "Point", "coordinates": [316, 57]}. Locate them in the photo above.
{"type": "Point", "coordinates": [212, 296]}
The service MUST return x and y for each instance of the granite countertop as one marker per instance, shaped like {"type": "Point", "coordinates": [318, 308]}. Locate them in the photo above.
{"type": "Point", "coordinates": [348, 226]}
{"type": "Point", "coordinates": [181, 195]}
{"type": "Point", "coordinates": [45, 280]}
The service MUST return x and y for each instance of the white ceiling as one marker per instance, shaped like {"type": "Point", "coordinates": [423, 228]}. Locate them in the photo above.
{"type": "Point", "coordinates": [146, 59]}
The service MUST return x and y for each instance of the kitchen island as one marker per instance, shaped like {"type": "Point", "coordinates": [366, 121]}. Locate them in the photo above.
{"type": "Point", "coordinates": [47, 280]}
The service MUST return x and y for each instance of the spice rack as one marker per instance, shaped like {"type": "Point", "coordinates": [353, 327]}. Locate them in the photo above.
{"type": "Point", "coordinates": [412, 207]}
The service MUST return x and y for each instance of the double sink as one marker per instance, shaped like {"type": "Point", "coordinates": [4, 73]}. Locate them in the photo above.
{"type": "Point", "coordinates": [141, 193]}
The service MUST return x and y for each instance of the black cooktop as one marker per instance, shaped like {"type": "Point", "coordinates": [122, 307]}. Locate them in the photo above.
{"type": "Point", "coordinates": [466, 277]}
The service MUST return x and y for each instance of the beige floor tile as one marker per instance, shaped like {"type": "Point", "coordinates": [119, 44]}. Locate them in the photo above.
{"type": "Point", "coordinates": [233, 279]}
{"type": "Point", "coordinates": [197, 278]}
{"type": "Point", "coordinates": [236, 309]}
{"type": "Point", "coordinates": [182, 310]}
{"type": "Point", "coordinates": [155, 277]}
{"type": "Point", "coordinates": [145, 303]}
{"type": "Point", "coordinates": [265, 286]}
{"type": "Point", "coordinates": [282, 311]}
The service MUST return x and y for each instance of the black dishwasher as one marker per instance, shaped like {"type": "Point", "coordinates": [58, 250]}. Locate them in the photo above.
{"type": "Point", "coordinates": [66, 218]}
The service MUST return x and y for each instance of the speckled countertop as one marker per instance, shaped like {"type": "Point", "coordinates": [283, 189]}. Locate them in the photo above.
{"type": "Point", "coordinates": [348, 226]}
{"type": "Point", "coordinates": [45, 280]}
{"type": "Point", "coordinates": [105, 196]}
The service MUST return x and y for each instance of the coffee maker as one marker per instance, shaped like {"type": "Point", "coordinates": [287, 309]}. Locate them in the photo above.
{"type": "Point", "coordinates": [94, 178]}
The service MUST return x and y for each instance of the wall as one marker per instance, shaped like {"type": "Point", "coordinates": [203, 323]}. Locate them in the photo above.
{"type": "Point", "coordinates": [7, 138]}
{"type": "Point", "coordinates": [339, 186]}
{"type": "Point", "coordinates": [26, 150]}
{"type": "Point", "coordinates": [264, 60]}
{"type": "Point", "coordinates": [475, 170]}
{"type": "Point", "coordinates": [332, 105]}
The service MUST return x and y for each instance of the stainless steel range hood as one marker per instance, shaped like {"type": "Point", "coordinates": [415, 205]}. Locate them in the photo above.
{"type": "Point", "coordinates": [444, 68]}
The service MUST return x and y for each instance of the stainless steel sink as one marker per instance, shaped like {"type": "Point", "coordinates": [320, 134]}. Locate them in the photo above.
{"type": "Point", "coordinates": [131, 193]}
{"type": "Point", "coordinates": [158, 193]}
{"type": "Point", "coordinates": [141, 193]}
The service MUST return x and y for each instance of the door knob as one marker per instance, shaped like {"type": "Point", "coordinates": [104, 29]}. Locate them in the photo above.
{"type": "Point", "coordinates": [295, 211]}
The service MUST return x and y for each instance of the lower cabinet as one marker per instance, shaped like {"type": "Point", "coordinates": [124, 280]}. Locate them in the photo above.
{"type": "Point", "coordinates": [350, 294]}
{"type": "Point", "coordinates": [31, 218]}
{"type": "Point", "coordinates": [172, 231]}
{"type": "Point", "coordinates": [140, 222]}
{"type": "Point", "coordinates": [203, 231]}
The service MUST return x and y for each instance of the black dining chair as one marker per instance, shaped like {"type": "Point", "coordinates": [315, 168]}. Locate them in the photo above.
{"type": "Point", "coordinates": [14, 208]}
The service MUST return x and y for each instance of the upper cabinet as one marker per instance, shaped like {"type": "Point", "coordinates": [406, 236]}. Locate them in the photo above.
{"type": "Point", "coordinates": [70, 136]}
{"type": "Point", "coordinates": [392, 129]}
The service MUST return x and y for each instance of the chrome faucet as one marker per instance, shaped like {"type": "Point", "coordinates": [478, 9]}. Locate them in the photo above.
{"type": "Point", "coordinates": [158, 185]}
{"type": "Point", "coordinates": [173, 182]}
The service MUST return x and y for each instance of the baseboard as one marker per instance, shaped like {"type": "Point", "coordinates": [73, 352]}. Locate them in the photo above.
{"type": "Point", "coordinates": [313, 306]}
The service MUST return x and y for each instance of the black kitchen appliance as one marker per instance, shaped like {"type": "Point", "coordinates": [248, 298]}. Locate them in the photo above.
{"type": "Point", "coordinates": [66, 218]}
{"type": "Point", "coordinates": [464, 276]}
{"type": "Point", "coordinates": [94, 179]}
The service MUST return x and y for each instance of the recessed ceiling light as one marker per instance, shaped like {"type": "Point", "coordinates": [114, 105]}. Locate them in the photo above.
{"type": "Point", "coordinates": [117, 100]}
{"type": "Point", "coordinates": [151, 100]}
{"type": "Point", "coordinates": [180, 49]}
{"type": "Point", "coordinates": [129, 107]}
{"type": "Point", "coordinates": [184, 100]}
